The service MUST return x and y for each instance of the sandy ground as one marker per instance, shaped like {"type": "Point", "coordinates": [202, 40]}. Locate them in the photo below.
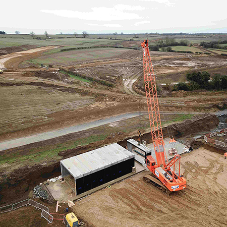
{"type": "Point", "coordinates": [135, 203]}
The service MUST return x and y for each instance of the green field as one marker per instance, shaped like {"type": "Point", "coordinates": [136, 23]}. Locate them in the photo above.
{"type": "Point", "coordinates": [218, 51]}
{"type": "Point", "coordinates": [186, 48]}
{"type": "Point", "coordinates": [10, 40]}
{"type": "Point", "coordinates": [223, 45]}
{"type": "Point", "coordinates": [57, 57]}
{"type": "Point", "coordinates": [19, 40]}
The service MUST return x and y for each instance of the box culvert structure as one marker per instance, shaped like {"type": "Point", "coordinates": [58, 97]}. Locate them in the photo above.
{"type": "Point", "coordinates": [97, 167]}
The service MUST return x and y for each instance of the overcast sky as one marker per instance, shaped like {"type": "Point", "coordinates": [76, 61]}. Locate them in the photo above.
{"type": "Point", "coordinates": [127, 16]}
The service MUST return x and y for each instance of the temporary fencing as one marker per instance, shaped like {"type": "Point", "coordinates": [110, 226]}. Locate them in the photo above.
{"type": "Point", "coordinates": [38, 205]}
{"type": "Point", "coordinates": [47, 216]}
{"type": "Point", "coordinates": [14, 206]}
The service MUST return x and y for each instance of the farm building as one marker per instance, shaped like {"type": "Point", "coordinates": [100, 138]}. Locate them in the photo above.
{"type": "Point", "coordinates": [97, 167]}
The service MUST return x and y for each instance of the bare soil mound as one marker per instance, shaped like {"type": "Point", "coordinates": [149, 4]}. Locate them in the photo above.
{"type": "Point", "coordinates": [9, 50]}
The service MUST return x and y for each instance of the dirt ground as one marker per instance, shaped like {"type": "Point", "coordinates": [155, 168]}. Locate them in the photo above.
{"type": "Point", "coordinates": [31, 217]}
{"type": "Point", "coordinates": [133, 202]}
{"type": "Point", "coordinates": [35, 100]}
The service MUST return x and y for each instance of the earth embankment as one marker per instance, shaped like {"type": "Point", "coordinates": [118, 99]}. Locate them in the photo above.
{"type": "Point", "coordinates": [20, 181]}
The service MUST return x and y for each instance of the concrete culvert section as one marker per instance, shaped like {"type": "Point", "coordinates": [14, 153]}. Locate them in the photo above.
{"type": "Point", "coordinates": [97, 167]}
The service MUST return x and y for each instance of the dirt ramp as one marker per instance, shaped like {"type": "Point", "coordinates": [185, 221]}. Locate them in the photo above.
{"type": "Point", "coordinates": [195, 125]}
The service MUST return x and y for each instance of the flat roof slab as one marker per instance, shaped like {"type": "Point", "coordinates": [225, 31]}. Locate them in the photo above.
{"type": "Point", "coordinates": [96, 160]}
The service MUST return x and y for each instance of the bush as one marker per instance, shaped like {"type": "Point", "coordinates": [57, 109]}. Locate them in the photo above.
{"type": "Point", "coordinates": [219, 82]}
{"type": "Point", "coordinates": [201, 78]}
{"type": "Point", "coordinates": [193, 86]}
{"type": "Point", "coordinates": [154, 48]}
{"type": "Point", "coordinates": [181, 86]}
{"type": "Point", "coordinates": [169, 49]}
{"type": "Point", "coordinates": [213, 44]}
{"type": "Point", "coordinates": [224, 82]}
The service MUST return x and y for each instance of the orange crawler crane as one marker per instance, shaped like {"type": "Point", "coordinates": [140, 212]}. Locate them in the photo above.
{"type": "Point", "coordinates": [162, 171]}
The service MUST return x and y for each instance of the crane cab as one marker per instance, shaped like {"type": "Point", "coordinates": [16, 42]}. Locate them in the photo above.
{"type": "Point", "coordinates": [151, 163]}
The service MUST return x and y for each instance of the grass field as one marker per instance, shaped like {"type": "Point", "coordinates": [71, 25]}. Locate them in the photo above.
{"type": "Point", "coordinates": [218, 51]}
{"type": "Point", "coordinates": [186, 48]}
{"type": "Point", "coordinates": [223, 45]}
{"type": "Point", "coordinates": [65, 57]}
{"type": "Point", "coordinates": [37, 155]}
{"type": "Point", "coordinates": [25, 105]}
{"type": "Point", "coordinates": [11, 40]}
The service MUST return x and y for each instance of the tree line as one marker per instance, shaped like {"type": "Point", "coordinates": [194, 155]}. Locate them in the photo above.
{"type": "Point", "coordinates": [202, 80]}
{"type": "Point", "coordinates": [32, 34]}
{"type": "Point", "coordinates": [214, 44]}
{"type": "Point", "coordinates": [166, 44]}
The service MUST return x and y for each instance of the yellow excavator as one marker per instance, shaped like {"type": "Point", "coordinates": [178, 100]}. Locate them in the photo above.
{"type": "Point", "coordinates": [71, 220]}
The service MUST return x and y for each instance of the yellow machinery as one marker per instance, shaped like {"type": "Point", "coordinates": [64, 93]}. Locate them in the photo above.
{"type": "Point", "coordinates": [71, 220]}
{"type": "Point", "coordinates": [1, 71]}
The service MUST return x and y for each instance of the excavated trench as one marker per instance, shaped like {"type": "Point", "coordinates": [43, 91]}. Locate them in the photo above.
{"type": "Point", "coordinates": [20, 182]}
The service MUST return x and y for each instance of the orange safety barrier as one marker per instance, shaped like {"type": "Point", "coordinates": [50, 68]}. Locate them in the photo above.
{"type": "Point", "coordinates": [172, 141]}
{"type": "Point", "coordinates": [57, 218]}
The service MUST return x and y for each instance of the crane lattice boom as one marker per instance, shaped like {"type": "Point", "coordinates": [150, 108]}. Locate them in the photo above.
{"type": "Point", "coordinates": [161, 169]}
{"type": "Point", "coordinates": [153, 105]}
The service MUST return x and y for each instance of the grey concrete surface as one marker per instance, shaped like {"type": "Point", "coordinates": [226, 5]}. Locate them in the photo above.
{"type": "Point", "coordinates": [61, 132]}
{"type": "Point", "coordinates": [76, 128]}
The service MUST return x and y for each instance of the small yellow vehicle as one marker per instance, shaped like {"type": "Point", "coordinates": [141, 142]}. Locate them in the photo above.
{"type": "Point", "coordinates": [71, 220]}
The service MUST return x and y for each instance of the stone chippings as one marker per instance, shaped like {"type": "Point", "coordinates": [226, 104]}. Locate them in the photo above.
{"type": "Point", "coordinates": [39, 192]}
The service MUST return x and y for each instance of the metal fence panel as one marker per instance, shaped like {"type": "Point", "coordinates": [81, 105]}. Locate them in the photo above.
{"type": "Point", "coordinates": [47, 216]}
{"type": "Point", "coordinates": [38, 205]}
{"type": "Point", "coordinates": [13, 206]}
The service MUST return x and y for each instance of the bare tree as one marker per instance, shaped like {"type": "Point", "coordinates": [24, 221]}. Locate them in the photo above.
{"type": "Point", "coordinates": [46, 34]}
{"type": "Point", "coordinates": [32, 34]}
{"type": "Point", "coordinates": [84, 34]}
{"type": "Point", "coordinates": [17, 32]}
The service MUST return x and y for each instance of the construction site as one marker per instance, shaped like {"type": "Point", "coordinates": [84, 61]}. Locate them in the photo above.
{"type": "Point", "coordinates": [83, 144]}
